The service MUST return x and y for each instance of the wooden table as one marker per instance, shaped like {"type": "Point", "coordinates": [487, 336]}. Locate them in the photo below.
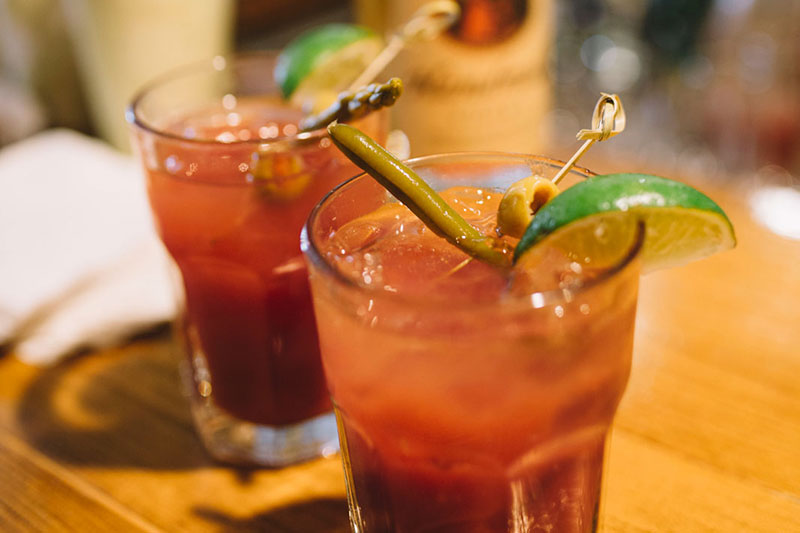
{"type": "Point", "coordinates": [707, 437]}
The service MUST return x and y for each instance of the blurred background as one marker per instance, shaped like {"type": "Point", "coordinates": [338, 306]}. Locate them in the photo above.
{"type": "Point", "coordinates": [711, 87]}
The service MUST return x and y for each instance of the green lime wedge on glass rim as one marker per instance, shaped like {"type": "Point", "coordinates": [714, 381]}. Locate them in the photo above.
{"type": "Point", "coordinates": [681, 223]}
{"type": "Point", "coordinates": [319, 63]}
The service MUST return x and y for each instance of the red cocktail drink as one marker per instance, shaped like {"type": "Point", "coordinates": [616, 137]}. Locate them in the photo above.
{"type": "Point", "coordinates": [231, 182]}
{"type": "Point", "coordinates": [469, 398]}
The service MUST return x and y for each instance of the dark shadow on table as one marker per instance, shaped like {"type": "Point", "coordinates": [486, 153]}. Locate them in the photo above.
{"type": "Point", "coordinates": [323, 515]}
{"type": "Point", "coordinates": [115, 408]}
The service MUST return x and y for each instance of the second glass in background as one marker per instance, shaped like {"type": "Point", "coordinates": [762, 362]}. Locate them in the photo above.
{"type": "Point", "coordinates": [231, 182]}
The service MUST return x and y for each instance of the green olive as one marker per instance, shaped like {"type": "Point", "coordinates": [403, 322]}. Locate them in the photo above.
{"type": "Point", "coordinates": [520, 203]}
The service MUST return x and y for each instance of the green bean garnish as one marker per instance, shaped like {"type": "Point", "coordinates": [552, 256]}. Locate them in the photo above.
{"type": "Point", "coordinates": [417, 195]}
{"type": "Point", "coordinates": [355, 104]}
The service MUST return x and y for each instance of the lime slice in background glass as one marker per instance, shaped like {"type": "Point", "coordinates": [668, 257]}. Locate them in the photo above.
{"type": "Point", "coordinates": [682, 224]}
{"type": "Point", "coordinates": [323, 61]}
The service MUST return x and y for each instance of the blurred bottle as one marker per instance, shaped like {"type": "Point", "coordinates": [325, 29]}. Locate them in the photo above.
{"type": "Point", "coordinates": [482, 85]}
{"type": "Point", "coordinates": [122, 44]}
{"type": "Point", "coordinates": [751, 94]}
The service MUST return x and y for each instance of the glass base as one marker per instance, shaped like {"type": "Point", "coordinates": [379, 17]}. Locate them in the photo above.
{"type": "Point", "coordinates": [231, 440]}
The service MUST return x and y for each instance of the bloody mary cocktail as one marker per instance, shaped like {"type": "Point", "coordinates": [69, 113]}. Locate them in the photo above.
{"type": "Point", "coordinates": [231, 182]}
{"type": "Point", "coordinates": [469, 399]}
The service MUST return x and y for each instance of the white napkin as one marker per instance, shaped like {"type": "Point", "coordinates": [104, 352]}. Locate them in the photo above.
{"type": "Point", "coordinates": [80, 264]}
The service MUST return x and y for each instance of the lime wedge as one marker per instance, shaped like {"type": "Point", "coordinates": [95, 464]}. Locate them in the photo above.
{"type": "Point", "coordinates": [589, 219]}
{"type": "Point", "coordinates": [323, 61]}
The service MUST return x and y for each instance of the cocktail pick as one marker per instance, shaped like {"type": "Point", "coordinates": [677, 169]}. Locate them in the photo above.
{"type": "Point", "coordinates": [426, 23]}
{"type": "Point", "coordinates": [608, 120]}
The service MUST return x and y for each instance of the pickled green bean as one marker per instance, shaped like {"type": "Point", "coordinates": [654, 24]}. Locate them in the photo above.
{"type": "Point", "coordinates": [418, 196]}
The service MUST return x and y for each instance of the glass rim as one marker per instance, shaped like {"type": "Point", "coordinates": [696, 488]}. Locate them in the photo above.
{"type": "Point", "coordinates": [536, 299]}
{"type": "Point", "coordinates": [217, 64]}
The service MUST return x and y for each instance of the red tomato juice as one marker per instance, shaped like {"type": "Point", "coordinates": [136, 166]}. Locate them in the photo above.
{"type": "Point", "coordinates": [229, 205]}
{"type": "Point", "coordinates": [462, 407]}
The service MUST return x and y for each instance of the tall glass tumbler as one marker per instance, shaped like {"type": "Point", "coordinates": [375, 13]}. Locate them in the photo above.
{"type": "Point", "coordinates": [466, 401]}
{"type": "Point", "coordinates": [231, 182]}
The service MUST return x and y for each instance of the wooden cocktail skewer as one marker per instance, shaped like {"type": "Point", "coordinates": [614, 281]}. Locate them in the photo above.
{"type": "Point", "coordinates": [523, 198]}
{"type": "Point", "coordinates": [608, 120]}
{"type": "Point", "coordinates": [428, 206]}
{"type": "Point", "coordinates": [426, 23]}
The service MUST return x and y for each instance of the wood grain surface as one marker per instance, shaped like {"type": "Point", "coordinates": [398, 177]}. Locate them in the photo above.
{"type": "Point", "coordinates": [707, 437]}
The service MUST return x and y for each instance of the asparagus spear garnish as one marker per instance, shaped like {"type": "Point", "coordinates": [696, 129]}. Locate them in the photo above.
{"type": "Point", "coordinates": [351, 105]}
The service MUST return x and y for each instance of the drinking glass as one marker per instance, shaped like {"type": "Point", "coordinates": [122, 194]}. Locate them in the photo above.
{"type": "Point", "coordinates": [471, 409]}
{"type": "Point", "coordinates": [230, 182]}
